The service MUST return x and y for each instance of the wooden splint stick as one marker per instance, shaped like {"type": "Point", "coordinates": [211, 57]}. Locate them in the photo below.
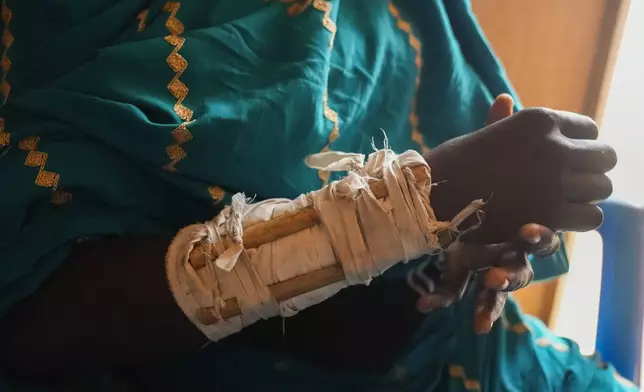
{"type": "Point", "coordinates": [283, 226]}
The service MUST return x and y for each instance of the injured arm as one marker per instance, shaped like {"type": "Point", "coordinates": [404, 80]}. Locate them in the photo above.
{"type": "Point", "coordinates": [108, 305]}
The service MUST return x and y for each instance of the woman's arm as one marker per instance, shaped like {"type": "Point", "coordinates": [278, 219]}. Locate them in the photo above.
{"type": "Point", "coordinates": [108, 305]}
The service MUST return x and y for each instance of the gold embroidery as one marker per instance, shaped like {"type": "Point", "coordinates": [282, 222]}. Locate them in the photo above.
{"type": "Point", "coordinates": [545, 342]}
{"type": "Point", "coordinates": [415, 44]}
{"type": "Point", "coordinates": [296, 6]}
{"type": "Point", "coordinates": [518, 328]}
{"type": "Point", "coordinates": [60, 197]}
{"type": "Point", "coordinates": [179, 90]}
{"type": "Point", "coordinates": [5, 137]}
{"type": "Point", "coordinates": [521, 328]}
{"type": "Point", "coordinates": [142, 17]}
{"type": "Point", "coordinates": [469, 384]}
{"type": "Point", "coordinates": [602, 365]}
{"type": "Point", "coordinates": [332, 116]}
{"type": "Point", "coordinates": [327, 22]}
{"type": "Point", "coordinates": [38, 159]}
{"type": "Point", "coordinates": [5, 63]}
{"type": "Point", "coordinates": [5, 89]}
{"type": "Point", "coordinates": [217, 193]}
{"type": "Point", "coordinates": [329, 114]}
{"type": "Point", "coordinates": [181, 134]}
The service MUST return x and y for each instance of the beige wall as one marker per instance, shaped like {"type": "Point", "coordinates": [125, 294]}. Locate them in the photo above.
{"type": "Point", "coordinates": [558, 54]}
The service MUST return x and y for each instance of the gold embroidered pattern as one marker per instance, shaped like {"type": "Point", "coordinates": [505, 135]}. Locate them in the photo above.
{"type": "Point", "coordinates": [332, 116]}
{"type": "Point", "coordinates": [34, 158]}
{"type": "Point", "coordinates": [329, 114]}
{"type": "Point", "coordinates": [61, 197]}
{"type": "Point", "coordinates": [5, 63]}
{"type": "Point", "coordinates": [5, 137]}
{"type": "Point", "coordinates": [38, 159]}
{"type": "Point", "coordinates": [328, 23]}
{"type": "Point", "coordinates": [142, 17]}
{"type": "Point", "coordinates": [296, 7]}
{"type": "Point", "coordinates": [414, 42]}
{"type": "Point", "coordinates": [5, 89]}
{"type": "Point", "coordinates": [546, 342]}
{"type": "Point", "coordinates": [518, 328]}
{"type": "Point", "coordinates": [469, 384]}
{"type": "Point", "coordinates": [618, 377]}
{"type": "Point", "coordinates": [179, 90]}
{"type": "Point", "coordinates": [217, 193]}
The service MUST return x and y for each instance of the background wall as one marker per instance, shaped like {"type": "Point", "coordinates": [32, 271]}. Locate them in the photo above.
{"type": "Point", "coordinates": [622, 126]}
{"type": "Point", "coordinates": [558, 54]}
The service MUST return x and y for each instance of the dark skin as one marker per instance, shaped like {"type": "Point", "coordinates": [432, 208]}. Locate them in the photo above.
{"type": "Point", "coordinates": [539, 165]}
{"type": "Point", "coordinates": [495, 269]}
{"type": "Point", "coordinates": [499, 268]}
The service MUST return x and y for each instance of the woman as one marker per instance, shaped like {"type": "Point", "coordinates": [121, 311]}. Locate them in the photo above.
{"type": "Point", "coordinates": [127, 120]}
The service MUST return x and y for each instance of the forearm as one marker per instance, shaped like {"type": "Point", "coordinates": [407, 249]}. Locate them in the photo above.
{"type": "Point", "coordinates": [108, 305]}
{"type": "Point", "coordinates": [112, 297]}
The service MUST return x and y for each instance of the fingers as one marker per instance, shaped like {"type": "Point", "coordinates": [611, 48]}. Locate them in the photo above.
{"type": "Point", "coordinates": [539, 240]}
{"type": "Point", "coordinates": [515, 272]}
{"type": "Point", "coordinates": [576, 126]}
{"type": "Point", "coordinates": [578, 217]}
{"type": "Point", "coordinates": [502, 107]}
{"type": "Point", "coordinates": [497, 282]}
{"type": "Point", "coordinates": [586, 187]}
{"type": "Point", "coordinates": [582, 184]}
{"type": "Point", "coordinates": [532, 239]}
{"type": "Point", "coordinates": [584, 153]}
{"type": "Point", "coordinates": [489, 307]}
{"type": "Point", "coordinates": [480, 257]}
{"type": "Point", "coordinates": [510, 277]}
{"type": "Point", "coordinates": [589, 156]}
{"type": "Point", "coordinates": [455, 278]}
{"type": "Point", "coordinates": [427, 303]}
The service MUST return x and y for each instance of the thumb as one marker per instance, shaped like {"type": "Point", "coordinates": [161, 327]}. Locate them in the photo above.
{"type": "Point", "coordinates": [502, 107]}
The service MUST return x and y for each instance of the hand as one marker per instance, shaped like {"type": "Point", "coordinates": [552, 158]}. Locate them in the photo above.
{"type": "Point", "coordinates": [536, 166]}
{"type": "Point", "coordinates": [511, 272]}
{"type": "Point", "coordinates": [497, 270]}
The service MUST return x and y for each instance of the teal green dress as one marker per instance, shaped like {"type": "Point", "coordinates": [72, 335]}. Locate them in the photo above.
{"type": "Point", "coordinates": [139, 116]}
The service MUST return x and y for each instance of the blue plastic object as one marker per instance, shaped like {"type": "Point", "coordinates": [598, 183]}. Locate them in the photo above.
{"type": "Point", "coordinates": [621, 308]}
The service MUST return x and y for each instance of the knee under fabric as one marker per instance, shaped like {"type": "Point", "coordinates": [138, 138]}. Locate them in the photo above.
{"type": "Point", "coordinates": [376, 216]}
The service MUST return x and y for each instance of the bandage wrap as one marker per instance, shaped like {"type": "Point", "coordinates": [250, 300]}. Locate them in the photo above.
{"type": "Point", "coordinates": [364, 234]}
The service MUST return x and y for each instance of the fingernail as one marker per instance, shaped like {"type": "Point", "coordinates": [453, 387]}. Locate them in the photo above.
{"type": "Point", "coordinates": [505, 285]}
{"type": "Point", "coordinates": [427, 303]}
{"type": "Point", "coordinates": [484, 326]}
{"type": "Point", "coordinates": [530, 233]}
{"type": "Point", "coordinates": [496, 279]}
{"type": "Point", "coordinates": [534, 239]}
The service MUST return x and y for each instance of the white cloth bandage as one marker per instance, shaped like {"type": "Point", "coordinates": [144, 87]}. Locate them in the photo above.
{"type": "Point", "coordinates": [365, 235]}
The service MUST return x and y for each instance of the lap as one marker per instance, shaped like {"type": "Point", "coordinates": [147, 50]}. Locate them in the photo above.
{"type": "Point", "coordinates": [522, 354]}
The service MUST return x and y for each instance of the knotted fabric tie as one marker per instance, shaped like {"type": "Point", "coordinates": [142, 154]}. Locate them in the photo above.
{"type": "Point", "coordinates": [364, 234]}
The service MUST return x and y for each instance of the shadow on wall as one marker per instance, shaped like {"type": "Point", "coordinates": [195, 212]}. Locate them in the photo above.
{"type": "Point", "coordinates": [623, 128]}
